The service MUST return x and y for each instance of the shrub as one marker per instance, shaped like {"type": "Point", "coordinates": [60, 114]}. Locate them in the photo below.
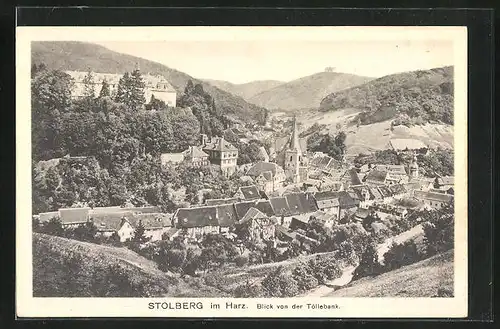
{"type": "Point", "coordinates": [369, 264]}
{"type": "Point", "coordinates": [279, 284]}
{"type": "Point", "coordinates": [241, 260]}
{"type": "Point", "coordinates": [400, 255]}
{"type": "Point", "coordinates": [438, 231]}
{"type": "Point", "coordinates": [302, 274]}
{"type": "Point", "coordinates": [248, 290]}
{"type": "Point", "coordinates": [324, 269]}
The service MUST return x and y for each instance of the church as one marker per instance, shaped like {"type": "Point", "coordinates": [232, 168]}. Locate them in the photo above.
{"type": "Point", "coordinates": [293, 158]}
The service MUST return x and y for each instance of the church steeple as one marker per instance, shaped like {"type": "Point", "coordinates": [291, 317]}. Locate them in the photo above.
{"type": "Point", "coordinates": [294, 137]}
{"type": "Point", "coordinates": [413, 166]}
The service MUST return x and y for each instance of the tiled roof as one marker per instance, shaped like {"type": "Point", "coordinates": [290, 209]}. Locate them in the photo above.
{"type": "Point", "coordinates": [196, 217]}
{"type": "Point", "coordinates": [110, 221]}
{"type": "Point", "coordinates": [260, 167]}
{"type": "Point", "coordinates": [297, 224]}
{"type": "Point", "coordinates": [215, 202]}
{"type": "Point", "coordinates": [376, 176]}
{"type": "Point", "coordinates": [219, 144]}
{"type": "Point", "coordinates": [265, 207]}
{"type": "Point", "coordinates": [151, 220]}
{"type": "Point", "coordinates": [384, 190]}
{"type": "Point", "coordinates": [171, 157]}
{"type": "Point", "coordinates": [74, 215]}
{"type": "Point", "coordinates": [392, 169]}
{"type": "Point", "coordinates": [362, 213]}
{"type": "Point", "coordinates": [242, 208]}
{"type": "Point", "coordinates": [47, 216]}
{"type": "Point", "coordinates": [194, 152]}
{"type": "Point", "coordinates": [251, 214]}
{"type": "Point", "coordinates": [250, 192]}
{"type": "Point", "coordinates": [410, 144]}
{"type": "Point", "coordinates": [226, 215]}
{"type": "Point", "coordinates": [447, 180]}
{"type": "Point", "coordinates": [280, 206]}
{"type": "Point", "coordinates": [375, 193]}
{"type": "Point", "coordinates": [433, 196]}
{"type": "Point", "coordinates": [328, 203]}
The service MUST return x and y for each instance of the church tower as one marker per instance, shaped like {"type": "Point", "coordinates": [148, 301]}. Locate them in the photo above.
{"type": "Point", "coordinates": [293, 155]}
{"type": "Point", "coordinates": [413, 167]}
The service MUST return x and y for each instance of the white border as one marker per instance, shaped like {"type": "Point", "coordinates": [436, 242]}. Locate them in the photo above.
{"type": "Point", "coordinates": [27, 306]}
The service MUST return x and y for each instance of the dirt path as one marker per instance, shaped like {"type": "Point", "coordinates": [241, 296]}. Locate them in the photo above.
{"type": "Point", "coordinates": [348, 272]}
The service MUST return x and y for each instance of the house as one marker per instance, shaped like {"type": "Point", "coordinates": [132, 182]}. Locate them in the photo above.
{"type": "Point", "coordinates": [434, 200]}
{"type": "Point", "coordinates": [154, 86]}
{"type": "Point", "coordinates": [281, 209]}
{"type": "Point", "coordinates": [301, 204]}
{"type": "Point", "coordinates": [47, 216]}
{"type": "Point", "coordinates": [297, 224]}
{"type": "Point", "coordinates": [196, 222]}
{"type": "Point", "coordinates": [395, 173]}
{"type": "Point", "coordinates": [263, 154]}
{"type": "Point", "coordinates": [327, 219]}
{"type": "Point", "coordinates": [284, 234]}
{"type": "Point", "coordinates": [242, 207]}
{"type": "Point", "coordinates": [398, 191]}
{"type": "Point", "coordinates": [73, 217]}
{"type": "Point", "coordinates": [361, 214]}
{"type": "Point", "coordinates": [385, 209]}
{"type": "Point", "coordinates": [265, 207]}
{"type": "Point", "coordinates": [362, 193]}
{"type": "Point", "coordinates": [155, 224]}
{"type": "Point", "coordinates": [350, 178]}
{"type": "Point", "coordinates": [386, 193]}
{"type": "Point", "coordinates": [406, 145]}
{"type": "Point", "coordinates": [260, 226]}
{"type": "Point", "coordinates": [248, 193]}
{"type": "Point", "coordinates": [226, 217]}
{"type": "Point", "coordinates": [171, 158]}
{"type": "Point", "coordinates": [328, 202]}
{"type": "Point", "coordinates": [196, 157]}
{"type": "Point", "coordinates": [221, 153]}
{"type": "Point", "coordinates": [420, 184]}
{"type": "Point", "coordinates": [267, 175]}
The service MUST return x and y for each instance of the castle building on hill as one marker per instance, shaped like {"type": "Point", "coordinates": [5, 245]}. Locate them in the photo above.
{"type": "Point", "coordinates": [156, 86]}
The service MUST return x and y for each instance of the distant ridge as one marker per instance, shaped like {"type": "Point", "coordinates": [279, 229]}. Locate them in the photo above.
{"type": "Point", "coordinates": [82, 56]}
{"type": "Point", "coordinates": [245, 90]}
{"type": "Point", "coordinates": [306, 92]}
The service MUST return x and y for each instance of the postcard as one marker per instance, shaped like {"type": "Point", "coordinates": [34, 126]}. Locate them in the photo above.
{"type": "Point", "coordinates": [207, 172]}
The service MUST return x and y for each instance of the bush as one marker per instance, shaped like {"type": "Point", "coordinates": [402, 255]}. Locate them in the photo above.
{"type": "Point", "coordinates": [439, 230]}
{"type": "Point", "coordinates": [279, 284]}
{"type": "Point", "coordinates": [400, 255]}
{"type": "Point", "coordinates": [369, 264]}
{"type": "Point", "coordinates": [248, 290]}
{"type": "Point", "coordinates": [324, 269]}
{"type": "Point", "coordinates": [304, 277]}
{"type": "Point", "coordinates": [241, 260]}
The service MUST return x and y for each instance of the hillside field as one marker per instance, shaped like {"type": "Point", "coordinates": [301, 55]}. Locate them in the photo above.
{"type": "Point", "coordinates": [422, 279]}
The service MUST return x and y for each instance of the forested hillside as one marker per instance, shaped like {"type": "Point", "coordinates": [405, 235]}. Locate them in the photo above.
{"type": "Point", "coordinates": [245, 90]}
{"type": "Point", "coordinates": [81, 56]}
{"type": "Point", "coordinates": [416, 97]}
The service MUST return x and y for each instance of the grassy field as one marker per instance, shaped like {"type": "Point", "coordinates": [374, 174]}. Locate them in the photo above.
{"type": "Point", "coordinates": [64, 267]}
{"type": "Point", "coordinates": [376, 136]}
{"type": "Point", "coordinates": [422, 279]}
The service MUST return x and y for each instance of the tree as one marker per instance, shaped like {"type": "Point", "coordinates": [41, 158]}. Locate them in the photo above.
{"type": "Point", "coordinates": [279, 284]}
{"type": "Point", "coordinates": [248, 290]}
{"type": "Point", "coordinates": [400, 255]}
{"type": "Point", "coordinates": [140, 234]}
{"type": "Point", "coordinates": [304, 277]}
{"type": "Point", "coordinates": [105, 92]}
{"type": "Point", "coordinates": [88, 85]}
{"type": "Point", "coordinates": [130, 90]}
{"type": "Point", "coordinates": [439, 230]}
{"type": "Point", "coordinates": [369, 264]}
{"type": "Point", "coordinates": [53, 227]}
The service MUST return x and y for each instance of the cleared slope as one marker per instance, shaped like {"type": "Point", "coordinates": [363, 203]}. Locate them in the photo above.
{"type": "Point", "coordinates": [422, 279]}
{"type": "Point", "coordinates": [64, 267]}
{"type": "Point", "coordinates": [82, 56]}
{"type": "Point", "coordinates": [245, 90]}
{"type": "Point", "coordinates": [306, 92]}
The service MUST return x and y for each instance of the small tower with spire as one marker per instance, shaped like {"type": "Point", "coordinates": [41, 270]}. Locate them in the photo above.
{"type": "Point", "coordinates": [293, 155]}
{"type": "Point", "coordinates": [413, 168]}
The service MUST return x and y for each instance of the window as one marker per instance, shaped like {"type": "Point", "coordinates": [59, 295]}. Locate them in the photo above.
{"type": "Point", "coordinates": [291, 157]}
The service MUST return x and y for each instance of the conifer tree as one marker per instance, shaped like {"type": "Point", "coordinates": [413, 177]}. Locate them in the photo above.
{"type": "Point", "coordinates": [130, 90]}
{"type": "Point", "coordinates": [104, 89]}
{"type": "Point", "coordinates": [88, 85]}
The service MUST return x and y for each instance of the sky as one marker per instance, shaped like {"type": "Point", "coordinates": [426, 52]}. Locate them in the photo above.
{"type": "Point", "coordinates": [242, 61]}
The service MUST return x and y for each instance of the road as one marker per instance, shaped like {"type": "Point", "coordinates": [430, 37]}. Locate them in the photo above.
{"type": "Point", "coordinates": [348, 272]}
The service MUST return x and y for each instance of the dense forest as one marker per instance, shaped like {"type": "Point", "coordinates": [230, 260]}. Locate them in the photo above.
{"type": "Point", "coordinates": [411, 98]}
{"type": "Point", "coordinates": [120, 142]}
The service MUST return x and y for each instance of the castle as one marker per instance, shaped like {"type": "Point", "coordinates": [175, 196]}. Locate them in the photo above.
{"type": "Point", "coordinates": [156, 86]}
